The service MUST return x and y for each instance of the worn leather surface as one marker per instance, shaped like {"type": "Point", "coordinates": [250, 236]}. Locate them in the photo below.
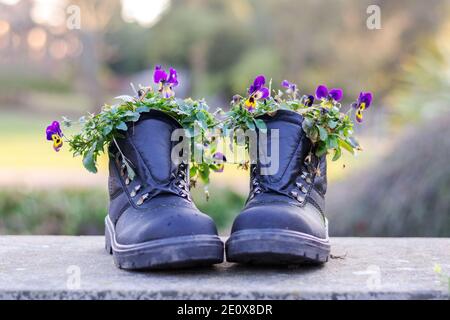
{"type": "Point", "coordinates": [168, 210]}
{"type": "Point", "coordinates": [277, 200]}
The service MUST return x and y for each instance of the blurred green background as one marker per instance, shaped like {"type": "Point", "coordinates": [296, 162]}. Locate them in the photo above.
{"type": "Point", "coordinates": [398, 186]}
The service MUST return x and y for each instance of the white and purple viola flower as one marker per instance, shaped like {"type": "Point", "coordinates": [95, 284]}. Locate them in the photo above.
{"type": "Point", "coordinates": [166, 82]}
{"type": "Point", "coordinates": [332, 95]}
{"type": "Point", "coordinates": [291, 88]}
{"type": "Point", "coordinates": [364, 101]}
{"type": "Point", "coordinates": [219, 160]}
{"type": "Point", "coordinates": [257, 91]}
{"type": "Point", "coordinates": [54, 133]}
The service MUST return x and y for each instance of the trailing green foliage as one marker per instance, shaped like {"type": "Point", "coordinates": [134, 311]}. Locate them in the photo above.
{"type": "Point", "coordinates": [328, 128]}
{"type": "Point", "coordinates": [99, 130]}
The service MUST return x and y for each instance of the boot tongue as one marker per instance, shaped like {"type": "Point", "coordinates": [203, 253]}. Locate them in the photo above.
{"type": "Point", "coordinates": [148, 146]}
{"type": "Point", "coordinates": [280, 169]}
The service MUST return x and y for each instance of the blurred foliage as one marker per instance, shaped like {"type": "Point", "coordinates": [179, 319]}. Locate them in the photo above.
{"type": "Point", "coordinates": [224, 44]}
{"type": "Point", "coordinates": [408, 195]}
{"type": "Point", "coordinates": [424, 86]}
{"type": "Point", "coordinates": [52, 211]}
{"type": "Point", "coordinates": [82, 211]}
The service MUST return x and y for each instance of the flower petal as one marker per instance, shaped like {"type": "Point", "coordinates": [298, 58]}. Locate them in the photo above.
{"type": "Point", "coordinates": [250, 104]}
{"type": "Point", "coordinates": [359, 115]}
{"type": "Point", "coordinates": [173, 77]}
{"type": "Point", "coordinates": [57, 142]}
{"type": "Point", "coordinates": [257, 84]}
{"type": "Point", "coordinates": [167, 91]}
{"type": "Point", "coordinates": [365, 97]}
{"type": "Point", "coordinates": [262, 93]}
{"type": "Point", "coordinates": [336, 94]}
{"type": "Point", "coordinates": [309, 100]}
{"type": "Point", "coordinates": [286, 84]}
{"type": "Point", "coordinates": [219, 156]}
{"type": "Point", "coordinates": [53, 128]}
{"type": "Point", "coordinates": [159, 75]}
{"type": "Point", "coordinates": [321, 92]}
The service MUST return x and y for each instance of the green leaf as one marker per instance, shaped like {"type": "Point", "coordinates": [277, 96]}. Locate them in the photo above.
{"type": "Point", "coordinates": [337, 153]}
{"type": "Point", "coordinates": [107, 129]}
{"type": "Point", "coordinates": [332, 142]}
{"type": "Point", "coordinates": [321, 149]}
{"type": "Point", "coordinates": [142, 109]}
{"type": "Point", "coordinates": [332, 124]}
{"type": "Point", "coordinates": [323, 134]}
{"type": "Point", "coordinates": [201, 116]}
{"type": "Point", "coordinates": [122, 126]}
{"type": "Point", "coordinates": [313, 134]}
{"type": "Point", "coordinates": [203, 124]}
{"type": "Point", "coordinates": [89, 161]}
{"type": "Point", "coordinates": [204, 173]}
{"type": "Point", "coordinates": [344, 144]}
{"type": "Point", "coordinates": [249, 123]}
{"type": "Point", "coordinates": [193, 171]}
{"type": "Point", "coordinates": [260, 124]}
{"type": "Point", "coordinates": [307, 124]}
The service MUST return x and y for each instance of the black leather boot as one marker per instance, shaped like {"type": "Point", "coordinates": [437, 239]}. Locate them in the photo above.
{"type": "Point", "coordinates": [152, 222]}
{"type": "Point", "coordinates": [283, 221]}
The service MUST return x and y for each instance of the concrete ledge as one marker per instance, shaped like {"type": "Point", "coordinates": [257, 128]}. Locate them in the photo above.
{"type": "Point", "coordinates": [62, 267]}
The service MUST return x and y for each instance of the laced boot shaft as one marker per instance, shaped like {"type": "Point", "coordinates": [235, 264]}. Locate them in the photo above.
{"type": "Point", "coordinates": [283, 220]}
{"type": "Point", "coordinates": [152, 221]}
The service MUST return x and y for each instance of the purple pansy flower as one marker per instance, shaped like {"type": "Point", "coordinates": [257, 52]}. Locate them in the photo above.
{"type": "Point", "coordinates": [291, 87]}
{"type": "Point", "coordinates": [364, 101]}
{"type": "Point", "coordinates": [307, 100]}
{"type": "Point", "coordinates": [219, 161]}
{"type": "Point", "coordinates": [166, 82]}
{"type": "Point", "coordinates": [54, 133]}
{"type": "Point", "coordinates": [257, 91]}
{"type": "Point", "coordinates": [335, 94]}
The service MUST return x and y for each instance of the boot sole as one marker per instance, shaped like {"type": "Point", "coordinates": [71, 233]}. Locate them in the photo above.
{"type": "Point", "coordinates": [170, 253]}
{"type": "Point", "coordinates": [276, 247]}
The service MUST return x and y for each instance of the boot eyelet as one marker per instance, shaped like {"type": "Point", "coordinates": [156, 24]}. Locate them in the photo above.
{"type": "Point", "coordinates": [308, 180]}
{"type": "Point", "coordinates": [127, 181]}
{"type": "Point", "coordinates": [300, 199]}
{"type": "Point", "coordinates": [142, 199]}
{"type": "Point", "coordinates": [135, 190]}
{"type": "Point", "coordinates": [299, 185]}
{"type": "Point", "coordinates": [303, 190]}
{"type": "Point", "coordinates": [294, 193]}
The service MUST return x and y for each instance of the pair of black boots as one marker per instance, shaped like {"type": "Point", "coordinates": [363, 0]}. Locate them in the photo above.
{"type": "Point", "coordinates": [153, 223]}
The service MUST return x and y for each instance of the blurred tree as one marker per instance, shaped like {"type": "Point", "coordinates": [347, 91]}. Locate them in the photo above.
{"type": "Point", "coordinates": [96, 16]}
